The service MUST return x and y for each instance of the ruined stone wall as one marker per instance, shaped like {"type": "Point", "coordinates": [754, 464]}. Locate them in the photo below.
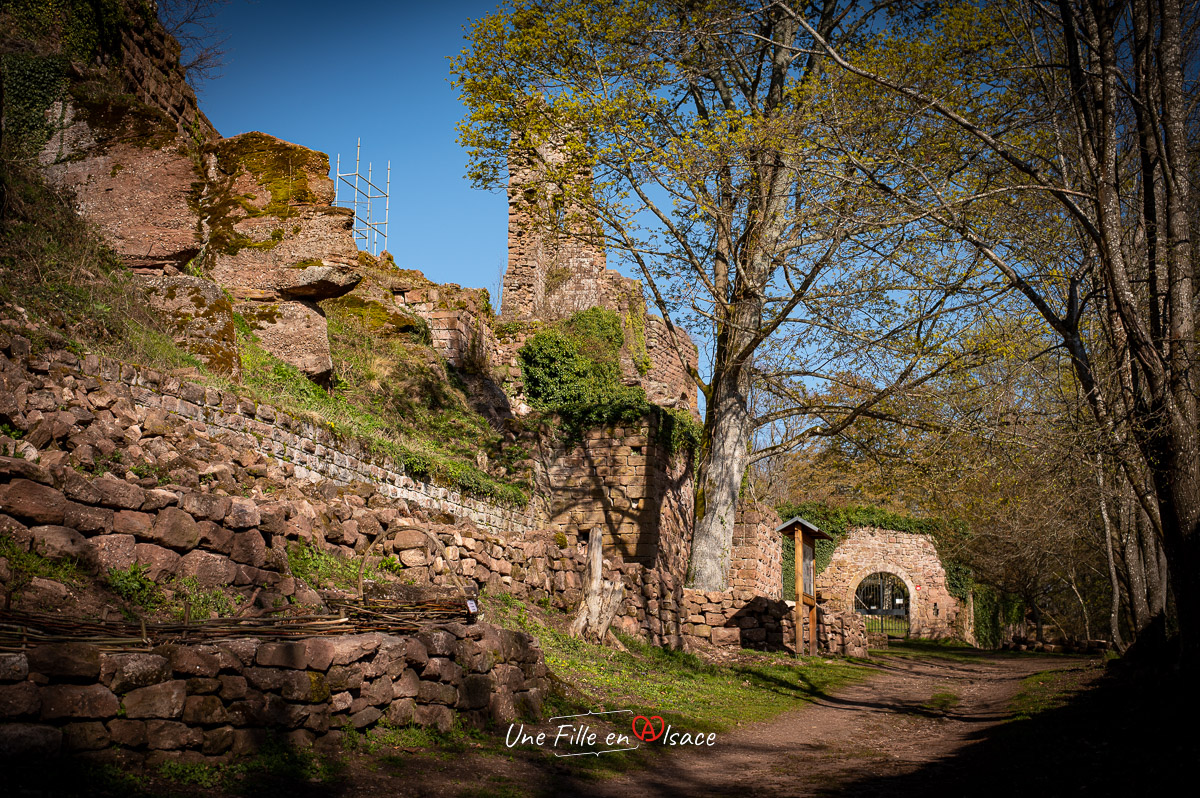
{"type": "Point", "coordinates": [669, 381]}
{"type": "Point", "coordinates": [912, 557]}
{"type": "Point", "coordinates": [309, 451]}
{"type": "Point", "coordinates": [625, 482]}
{"type": "Point", "coordinates": [552, 273]}
{"type": "Point", "coordinates": [152, 73]}
{"type": "Point", "coordinates": [756, 560]}
{"type": "Point", "coordinates": [212, 702]}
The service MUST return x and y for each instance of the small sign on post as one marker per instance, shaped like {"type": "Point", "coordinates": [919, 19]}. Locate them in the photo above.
{"type": "Point", "coordinates": [806, 535]}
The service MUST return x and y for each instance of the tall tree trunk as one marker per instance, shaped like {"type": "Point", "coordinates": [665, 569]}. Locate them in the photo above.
{"type": "Point", "coordinates": [724, 457]}
{"type": "Point", "coordinates": [1139, 609]}
{"type": "Point", "coordinates": [1114, 612]}
{"type": "Point", "coordinates": [1156, 589]}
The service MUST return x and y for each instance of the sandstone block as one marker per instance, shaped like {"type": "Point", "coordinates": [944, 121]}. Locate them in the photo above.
{"type": "Point", "coordinates": [132, 522]}
{"type": "Point", "coordinates": [29, 740]}
{"type": "Point", "coordinates": [59, 543]}
{"type": "Point", "coordinates": [283, 655]}
{"type": "Point", "coordinates": [76, 701]}
{"type": "Point", "coordinates": [164, 700]}
{"type": "Point", "coordinates": [436, 693]}
{"type": "Point", "coordinates": [171, 735]}
{"type": "Point", "coordinates": [401, 712]}
{"type": "Point", "coordinates": [203, 710]}
{"type": "Point", "coordinates": [33, 502]}
{"type": "Point", "coordinates": [160, 563]}
{"type": "Point", "coordinates": [13, 667]}
{"type": "Point", "coordinates": [131, 733]}
{"type": "Point", "coordinates": [249, 548]}
{"type": "Point", "coordinates": [206, 506]}
{"type": "Point", "coordinates": [174, 529]}
{"type": "Point", "coordinates": [65, 660]}
{"type": "Point", "coordinates": [118, 494]}
{"type": "Point", "coordinates": [92, 520]}
{"type": "Point", "coordinates": [88, 736]}
{"type": "Point", "coordinates": [124, 672]}
{"type": "Point", "coordinates": [106, 552]}
{"type": "Point", "coordinates": [208, 569]}
{"type": "Point", "coordinates": [20, 699]}
{"type": "Point", "coordinates": [217, 741]}
{"type": "Point", "coordinates": [434, 716]}
{"type": "Point", "coordinates": [242, 514]}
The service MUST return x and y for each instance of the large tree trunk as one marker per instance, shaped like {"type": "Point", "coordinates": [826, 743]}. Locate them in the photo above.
{"type": "Point", "coordinates": [1114, 612]}
{"type": "Point", "coordinates": [1139, 609]}
{"type": "Point", "coordinates": [724, 457]}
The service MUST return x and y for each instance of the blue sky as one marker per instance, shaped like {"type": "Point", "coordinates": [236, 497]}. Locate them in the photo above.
{"type": "Point", "coordinates": [323, 74]}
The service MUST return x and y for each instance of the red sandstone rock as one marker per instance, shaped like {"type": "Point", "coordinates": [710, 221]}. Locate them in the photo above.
{"type": "Point", "coordinates": [33, 502]}
{"type": "Point", "coordinates": [160, 563]}
{"type": "Point", "coordinates": [209, 570]}
{"type": "Point", "coordinates": [124, 672]}
{"type": "Point", "coordinates": [164, 700]}
{"type": "Point", "coordinates": [19, 699]}
{"type": "Point", "coordinates": [76, 701]}
{"type": "Point", "coordinates": [29, 740]}
{"type": "Point", "coordinates": [107, 552]}
{"type": "Point", "coordinates": [65, 660]}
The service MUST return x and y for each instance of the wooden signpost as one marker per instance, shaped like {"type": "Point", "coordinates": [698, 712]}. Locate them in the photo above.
{"type": "Point", "coordinates": [806, 535]}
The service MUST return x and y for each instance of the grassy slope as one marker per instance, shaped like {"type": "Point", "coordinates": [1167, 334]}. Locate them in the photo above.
{"type": "Point", "coordinates": [396, 395]}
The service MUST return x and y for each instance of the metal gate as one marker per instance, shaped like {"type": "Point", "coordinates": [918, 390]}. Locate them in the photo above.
{"type": "Point", "coordinates": [883, 598]}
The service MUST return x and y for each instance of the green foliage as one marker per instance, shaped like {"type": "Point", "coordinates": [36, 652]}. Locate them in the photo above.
{"type": "Point", "coordinates": [203, 602]}
{"type": "Point", "coordinates": [576, 362]}
{"type": "Point", "coordinates": [31, 84]}
{"type": "Point", "coordinates": [79, 30]}
{"type": "Point", "coordinates": [835, 521]}
{"type": "Point", "coordinates": [573, 369]}
{"type": "Point", "coordinates": [322, 569]}
{"type": "Point", "coordinates": [133, 585]}
{"type": "Point", "coordinates": [993, 611]}
{"type": "Point", "coordinates": [960, 580]}
{"type": "Point", "coordinates": [28, 564]}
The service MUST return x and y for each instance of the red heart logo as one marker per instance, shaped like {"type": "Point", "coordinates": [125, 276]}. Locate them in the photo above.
{"type": "Point", "coordinates": [643, 728]}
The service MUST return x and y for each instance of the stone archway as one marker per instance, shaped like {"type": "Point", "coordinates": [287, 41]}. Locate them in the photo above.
{"type": "Point", "coordinates": [909, 556]}
{"type": "Point", "coordinates": [914, 598]}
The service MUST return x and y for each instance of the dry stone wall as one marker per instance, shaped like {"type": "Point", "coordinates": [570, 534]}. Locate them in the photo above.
{"type": "Point", "coordinates": [912, 557]}
{"type": "Point", "coordinates": [212, 702]}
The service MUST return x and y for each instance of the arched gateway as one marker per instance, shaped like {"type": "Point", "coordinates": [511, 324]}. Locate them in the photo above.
{"type": "Point", "coordinates": [872, 567]}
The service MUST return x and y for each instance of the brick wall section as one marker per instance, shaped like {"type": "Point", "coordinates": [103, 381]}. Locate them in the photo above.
{"type": "Point", "coordinates": [912, 557]}
{"type": "Point", "coordinates": [756, 560]}
{"type": "Point", "coordinates": [544, 263]}
{"type": "Point", "coordinates": [210, 703]}
{"type": "Point", "coordinates": [314, 451]}
{"type": "Point", "coordinates": [625, 482]}
{"type": "Point", "coordinates": [151, 72]}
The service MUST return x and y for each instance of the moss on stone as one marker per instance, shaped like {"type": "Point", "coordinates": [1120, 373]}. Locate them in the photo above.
{"type": "Point", "coordinates": [278, 166]}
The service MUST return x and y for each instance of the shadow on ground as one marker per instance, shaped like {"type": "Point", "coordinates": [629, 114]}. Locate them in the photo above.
{"type": "Point", "coordinates": [1129, 735]}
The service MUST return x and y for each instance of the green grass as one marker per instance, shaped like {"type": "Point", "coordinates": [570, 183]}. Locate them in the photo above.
{"type": "Point", "coordinates": [876, 625]}
{"type": "Point", "coordinates": [679, 687]}
{"type": "Point", "coordinates": [1046, 690]}
{"type": "Point", "coordinates": [405, 411]}
{"type": "Point", "coordinates": [31, 564]}
{"type": "Point", "coordinates": [942, 701]}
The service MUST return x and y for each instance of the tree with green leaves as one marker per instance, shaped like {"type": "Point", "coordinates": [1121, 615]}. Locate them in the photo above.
{"type": "Point", "coordinates": [1058, 140]}
{"type": "Point", "coordinates": [695, 122]}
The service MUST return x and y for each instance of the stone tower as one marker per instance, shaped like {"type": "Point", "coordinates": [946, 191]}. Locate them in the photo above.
{"type": "Point", "coordinates": [557, 267]}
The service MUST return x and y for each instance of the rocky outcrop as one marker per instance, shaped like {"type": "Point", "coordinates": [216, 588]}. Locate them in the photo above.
{"type": "Point", "coordinates": [201, 318]}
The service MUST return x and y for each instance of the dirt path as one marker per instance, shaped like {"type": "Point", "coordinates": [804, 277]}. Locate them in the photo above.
{"type": "Point", "coordinates": [891, 724]}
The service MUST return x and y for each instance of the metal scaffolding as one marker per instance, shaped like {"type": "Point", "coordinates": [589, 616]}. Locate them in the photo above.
{"type": "Point", "coordinates": [367, 231]}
